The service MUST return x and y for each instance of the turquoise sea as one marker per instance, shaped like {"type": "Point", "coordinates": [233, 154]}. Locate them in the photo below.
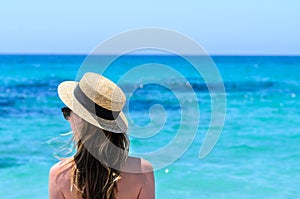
{"type": "Point", "coordinates": [256, 156]}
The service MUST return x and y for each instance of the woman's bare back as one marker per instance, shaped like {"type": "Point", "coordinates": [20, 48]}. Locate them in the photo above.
{"type": "Point", "coordinates": [137, 184]}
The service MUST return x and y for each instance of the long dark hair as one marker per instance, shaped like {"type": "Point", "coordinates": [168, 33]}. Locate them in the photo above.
{"type": "Point", "coordinates": [98, 161]}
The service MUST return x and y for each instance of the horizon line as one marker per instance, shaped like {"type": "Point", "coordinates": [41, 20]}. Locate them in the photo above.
{"type": "Point", "coordinates": [149, 54]}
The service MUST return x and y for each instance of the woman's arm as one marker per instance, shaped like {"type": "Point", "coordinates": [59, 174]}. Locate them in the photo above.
{"type": "Point", "coordinates": [54, 192]}
{"type": "Point", "coordinates": [148, 188]}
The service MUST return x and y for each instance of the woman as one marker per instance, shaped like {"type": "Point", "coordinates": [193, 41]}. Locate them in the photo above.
{"type": "Point", "coordinates": [101, 167]}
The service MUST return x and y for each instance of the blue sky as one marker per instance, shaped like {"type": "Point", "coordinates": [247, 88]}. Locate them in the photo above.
{"type": "Point", "coordinates": [221, 27]}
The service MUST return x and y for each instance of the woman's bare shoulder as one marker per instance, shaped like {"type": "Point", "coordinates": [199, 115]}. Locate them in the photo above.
{"type": "Point", "coordinates": [59, 179]}
{"type": "Point", "coordinates": [60, 171]}
{"type": "Point", "coordinates": [137, 174]}
{"type": "Point", "coordinates": [137, 179]}
{"type": "Point", "coordinates": [138, 165]}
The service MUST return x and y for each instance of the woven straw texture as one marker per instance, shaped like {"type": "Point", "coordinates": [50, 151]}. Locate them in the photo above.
{"type": "Point", "coordinates": [103, 92]}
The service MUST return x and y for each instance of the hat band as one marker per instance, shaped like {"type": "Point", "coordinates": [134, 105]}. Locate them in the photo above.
{"type": "Point", "coordinates": [93, 107]}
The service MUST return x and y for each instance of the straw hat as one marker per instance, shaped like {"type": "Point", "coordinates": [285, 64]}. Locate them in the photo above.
{"type": "Point", "coordinates": [97, 100]}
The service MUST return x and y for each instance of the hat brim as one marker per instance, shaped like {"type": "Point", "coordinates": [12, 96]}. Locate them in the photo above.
{"type": "Point", "coordinates": [65, 92]}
